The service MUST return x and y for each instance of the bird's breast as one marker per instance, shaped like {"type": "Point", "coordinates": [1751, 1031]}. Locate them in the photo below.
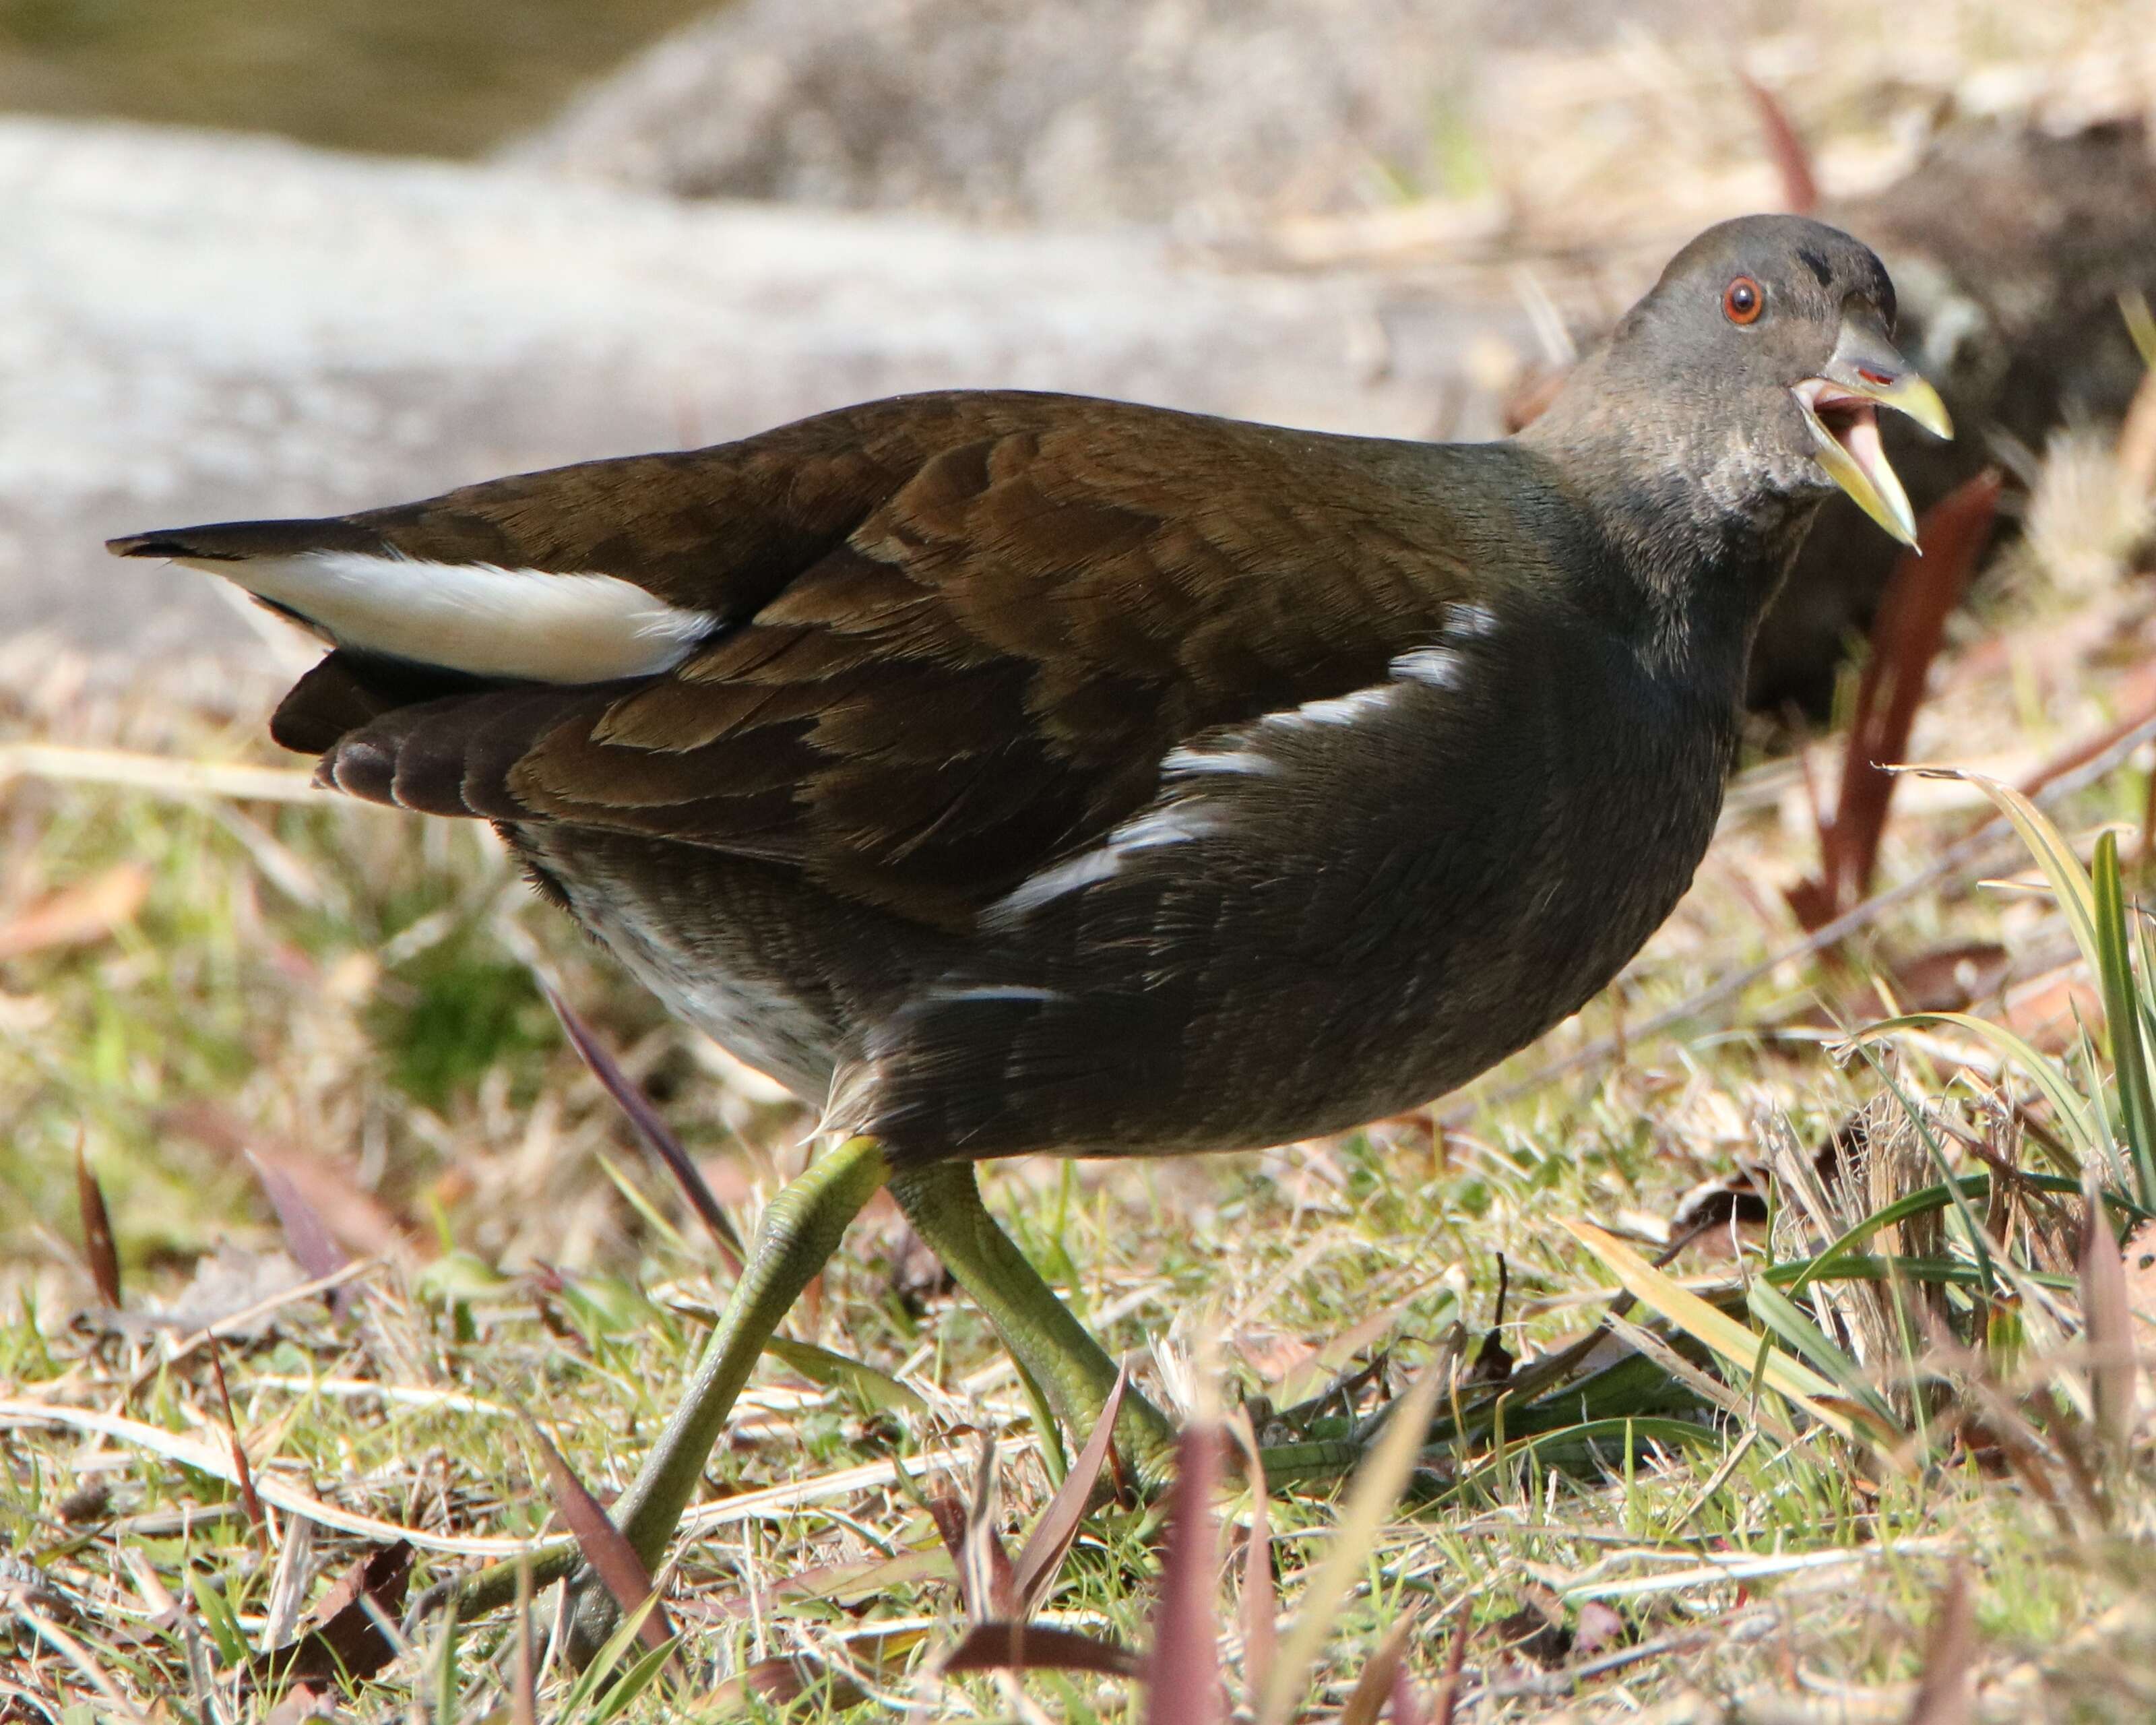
{"type": "Point", "coordinates": [1335, 913]}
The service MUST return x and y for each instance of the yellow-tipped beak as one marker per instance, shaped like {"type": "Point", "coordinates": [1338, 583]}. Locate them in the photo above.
{"type": "Point", "coordinates": [1865, 372]}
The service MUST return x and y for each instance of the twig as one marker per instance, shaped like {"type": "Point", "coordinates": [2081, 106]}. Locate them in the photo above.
{"type": "Point", "coordinates": [160, 775]}
{"type": "Point", "coordinates": [247, 1315]}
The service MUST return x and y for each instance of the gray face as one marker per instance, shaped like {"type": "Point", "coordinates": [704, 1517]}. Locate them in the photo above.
{"type": "Point", "coordinates": [1808, 278]}
{"type": "Point", "coordinates": [1759, 359]}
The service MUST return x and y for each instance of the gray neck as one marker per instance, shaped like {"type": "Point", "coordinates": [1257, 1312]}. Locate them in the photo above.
{"type": "Point", "coordinates": [1701, 529]}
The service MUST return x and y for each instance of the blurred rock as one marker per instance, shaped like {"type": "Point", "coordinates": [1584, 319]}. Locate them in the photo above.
{"type": "Point", "coordinates": [1069, 112]}
{"type": "Point", "coordinates": [195, 326]}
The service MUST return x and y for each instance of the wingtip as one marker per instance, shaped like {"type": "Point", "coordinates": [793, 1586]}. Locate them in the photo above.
{"type": "Point", "coordinates": [242, 541]}
{"type": "Point", "coordinates": [151, 545]}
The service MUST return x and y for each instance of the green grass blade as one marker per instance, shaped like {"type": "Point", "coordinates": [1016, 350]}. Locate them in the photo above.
{"type": "Point", "coordinates": [218, 1617]}
{"type": "Point", "coordinates": [1377, 1487]}
{"type": "Point", "coordinates": [2140, 324]}
{"type": "Point", "coordinates": [593, 1678]}
{"type": "Point", "coordinates": [2069, 882]}
{"type": "Point", "coordinates": [876, 1389]}
{"type": "Point", "coordinates": [1787, 1320]}
{"type": "Point", "coordinates": [1740, 1347]}
{"type": "Point", "coordinates": [638, 1678]}
{"type": "Point", "coordinates": [2065, 1102]}
{"type": "Point", "coordinates": [2122, 1013]}
{"type": "Point", "coordinates": [1970, 1224]}
{"type": "Point", "coordinates": [1799, 1273]}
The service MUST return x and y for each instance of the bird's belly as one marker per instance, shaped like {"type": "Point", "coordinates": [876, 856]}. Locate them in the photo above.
{"type": "Point", "coordinates": [722, 986]}
{"type": "Point", "coordinates": [1476, 985]}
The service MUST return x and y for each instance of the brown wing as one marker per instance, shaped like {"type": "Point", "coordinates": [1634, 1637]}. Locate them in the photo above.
{"type": "Point", "coordinates": [962, 630]}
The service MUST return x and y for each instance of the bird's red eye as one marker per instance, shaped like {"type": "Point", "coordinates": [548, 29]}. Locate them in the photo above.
{"type": "Point", "coordinates": [1741, 301]}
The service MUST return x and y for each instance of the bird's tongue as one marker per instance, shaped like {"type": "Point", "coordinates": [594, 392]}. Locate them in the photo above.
{"type": "Point", "coordinates": [1855, 428]}
{"type": "Point", "coordinates": [1846, 429]}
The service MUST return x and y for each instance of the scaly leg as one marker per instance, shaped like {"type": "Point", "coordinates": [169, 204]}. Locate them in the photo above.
{"type": "Point", "coordinates": [943, 1201]}
{"type": "Point", "coordinates": [801, 1229]}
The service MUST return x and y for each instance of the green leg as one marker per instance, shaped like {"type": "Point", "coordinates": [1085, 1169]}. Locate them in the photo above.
{"type": "Point", "coordinates": [943, 1201]}
{"type": "Point", "coordinates": [801, 1229]}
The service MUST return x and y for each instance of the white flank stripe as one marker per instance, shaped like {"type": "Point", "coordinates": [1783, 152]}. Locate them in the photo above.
{"type": "Point", "coordinates": [1176, 823]}
{"type": "Point", "coordinates": [1441, 667]}
{"type": "Point", "coordinates": [1247, 762]}
{"type": "Point", "coordinates": [1349, 709]}
{"type": "Point", "coordinates": [1010, 992]}
{"type": "Point", "coordinates": [1030, 894]}
{"type": "Point", "coordinates": [524, 625]}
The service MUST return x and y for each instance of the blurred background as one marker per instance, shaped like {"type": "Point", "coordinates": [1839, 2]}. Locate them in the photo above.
{"type": "Point", "coordinates": [272, 257]}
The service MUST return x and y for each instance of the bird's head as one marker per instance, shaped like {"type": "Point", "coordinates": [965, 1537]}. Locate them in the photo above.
{"type": "Point", "coordinates": [1758, 364]}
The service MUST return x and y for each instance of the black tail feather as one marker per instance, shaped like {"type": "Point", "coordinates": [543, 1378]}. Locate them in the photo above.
{"type": "Point", "coordinates": [236, 541]}
{"type": "Point", "coordinates": [348, 690]}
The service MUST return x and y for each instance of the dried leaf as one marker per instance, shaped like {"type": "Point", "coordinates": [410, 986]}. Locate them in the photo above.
{"type": "Point", "coordinates": [977, 1567]}
{"type": "Point", "coordinates": [1261, 1596]}
{"type": "Point", "coordinates": [1949, 978]}
{"type": "Point", "coordinates": [97, 1246]}
{"type": "Point", "coordinates": [851, 1584]}
{"type": "Point", "coordinates": [1407, 1708]}
{"type": "Point", "coordinates": [1051, 1541]}
{"type": "Point", "coordinates": [309, 1242]}
{"type": "Point", "coordinates": [1537, 1630]}
{"type": "Point", "coordinates": [2139, 1255]}
{"type": "Point", "coordinates": [77, 916]}
{"type": "Point", "coordinates": [89, 1501]}
{"type": "Point", "coordinates": [354, 1217]}
{"type": "Point", "coordinates": [1006, 1645]}
{"type": "Point", "coordinates": [1943, 1693]}
{"type": "Point", "coordinates": [302, 1702]}
{"type": "Point", "coordinates": [1334, 1355]}
{"type": "Point", "coordinates": [347, 1642]}
{"type": "Point", "coordinates": [1377, 1486]}
{"type": "Point", "coordinates": [1448, 1691]}
{"type": "Point", "coordinates": [991, 1583]}
{"type": "Point", "coordinates": [778, 1682]}
{"type": "Point", "coordinates": [1183, 1671]}
{"type": "Point", "coordinates": [2107, 1327]}
{"type": "Point", "coordinates": [782, 1681]}
{"type": "Point", "coordinates": [1380, 1678]}
{"type": "Point", "coordinates": [524, 1677]}
{"type": "Point", "coordinates": [949, 1515]}
{"type": "Point", "coordinates": [256, 1516]}
{"type": "Point", "coordinates": [604, 1546]}
{"type": "Point", "coordinates": [2136, 453]}
{"type": "Point", "coordinates": [1792, 156]}
{"type": "Point", "coordinates": [1905, 637]}
{"type": "Point", "coordinates": [651, 1129]}
{"type": "Point", "coordinates": [1599, 1629]}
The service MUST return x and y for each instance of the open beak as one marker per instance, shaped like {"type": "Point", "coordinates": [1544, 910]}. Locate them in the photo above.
{"type": "Point", "coordinates": [1841, 407]}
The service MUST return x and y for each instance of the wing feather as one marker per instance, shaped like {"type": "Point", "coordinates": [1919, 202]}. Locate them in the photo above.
{"type": "Point", "coordinates": [955, 635]}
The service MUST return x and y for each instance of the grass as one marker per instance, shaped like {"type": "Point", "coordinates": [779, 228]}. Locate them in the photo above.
{"type": "Point", "coordinates": [348, 994]}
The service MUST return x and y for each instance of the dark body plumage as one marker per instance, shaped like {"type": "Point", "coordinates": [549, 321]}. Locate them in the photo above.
{"type": "Point", "coordinates": [1043, 773]}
